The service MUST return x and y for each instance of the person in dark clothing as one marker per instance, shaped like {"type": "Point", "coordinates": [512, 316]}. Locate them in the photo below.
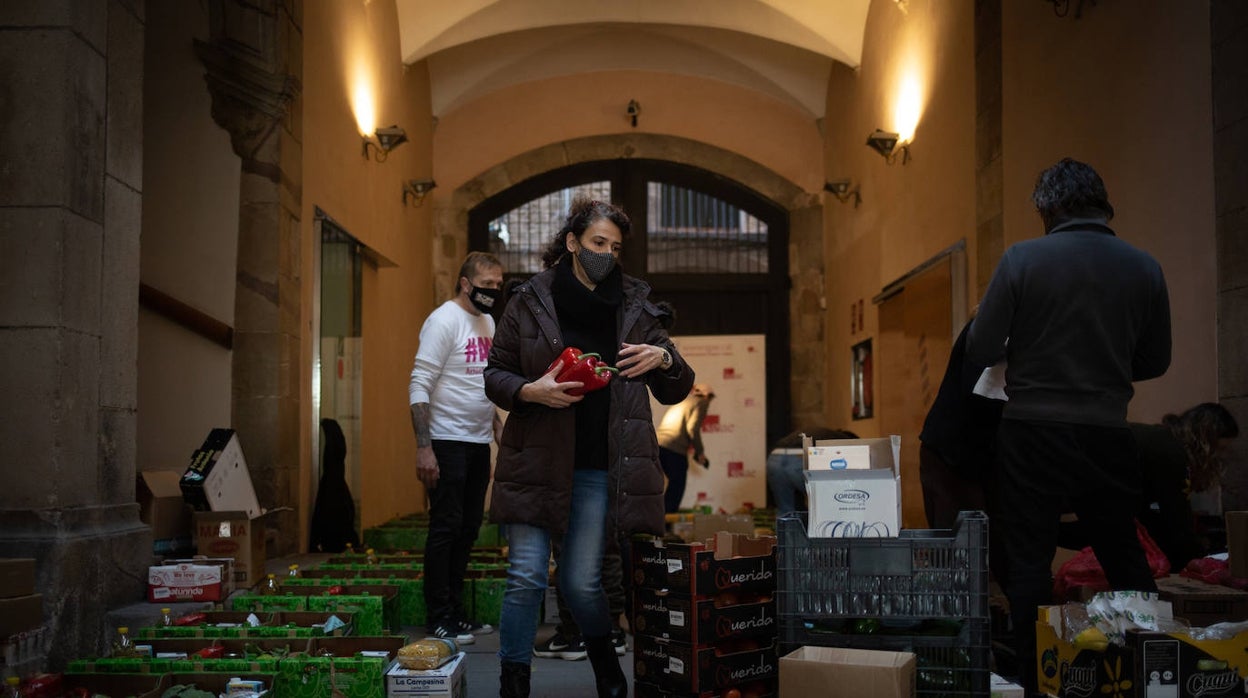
{"type": "Point", "coordinates": [680, 432]}
{"type": "Point", "coordinates": [957, 442]}
{"type": "Point", "coordinates": [333, 518]}
{"type": "Point", "coordinates": [577, 468]}
{"type": "Point", "coordinates": [1078, 315]}
{"type": "Point", "coordinates": [1180, 456]}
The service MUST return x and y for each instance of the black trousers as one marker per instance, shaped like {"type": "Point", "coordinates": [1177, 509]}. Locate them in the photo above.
{"type": "Point", "coordinates": [676, 467]}
{"type": "Point", "coordinates": [1048, 468]}
{"type": "Point", "coordinates": [456, 508]}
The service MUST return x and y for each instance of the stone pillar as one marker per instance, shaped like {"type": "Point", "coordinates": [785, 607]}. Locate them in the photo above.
{"type": "Point", "coordinates": [254, 66]}
{"type": "Point", "coordinates": [1229, 29]}
{"type": "Point", "coordinates": [71, 177]}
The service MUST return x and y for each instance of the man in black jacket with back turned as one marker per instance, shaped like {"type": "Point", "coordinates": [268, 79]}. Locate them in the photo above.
{"type": "Point", "coordinates": [1077, 314]}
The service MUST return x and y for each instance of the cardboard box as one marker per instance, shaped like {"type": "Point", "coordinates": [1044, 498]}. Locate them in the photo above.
{"type": "Point", "coordinates": [840, 457]}
{"type": "Point", "coordinates": [686, 668]}
{"type": "Point", "coordinates": [1237, 542]}
{"type": "Point", "coordinates": [761, 688]}
{"type": "Point", "coordinates": [217, 478]}
{"type": "Point", "coordinates": [161, 506]}
{"type": "Point", "coordinates": [447, 681]}
{"type": "Point", "coordinates": [700, 621]}
{"type": "Point", "coordinates": [855, 502]}
{"type": "Point", "coordinates": [236, 535]}
{"type": "Point", "coordinates": [20, 613]}
{"type": "Point", "coordinates": [187, 581]}
{"type": "Point", "coordinates": [727, 562]}
{"type": "Point", "coordinates": [707, 525]}
{"type": "Point", "coordinates": [812, 671]}
{"type": "Point", "coordinates": [1203, 604]}
{"type": "Point", "coordinates": [1000, 688]}
{"type": "Point", "coordinates": [17, 577]}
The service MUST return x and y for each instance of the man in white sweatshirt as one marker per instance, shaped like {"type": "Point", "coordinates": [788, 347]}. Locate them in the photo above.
{"type": "Point", "coordinates": [454, 424]}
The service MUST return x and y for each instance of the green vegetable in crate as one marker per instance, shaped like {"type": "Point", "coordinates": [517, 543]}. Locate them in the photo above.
{"type": "Point", "coordinates": [866, 626]}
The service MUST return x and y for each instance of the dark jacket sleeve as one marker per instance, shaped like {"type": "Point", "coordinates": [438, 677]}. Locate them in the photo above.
{"type": "Point", "coordinates": [985, 345]}
{"type": "Point", "coordinates": [673, 385]}
{"type": "Point", "coordinates": [504, 373]}
{"type": "Point", "coordinates": [1152, 353]}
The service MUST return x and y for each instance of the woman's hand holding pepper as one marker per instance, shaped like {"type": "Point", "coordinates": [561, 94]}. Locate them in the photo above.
{"type": "Point", "coordinates": [637, 359]}
{"type": "Point", "coordinates": [550, 392]}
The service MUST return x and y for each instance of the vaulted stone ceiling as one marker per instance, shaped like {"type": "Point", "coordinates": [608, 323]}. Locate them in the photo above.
{"type": "Point", "coordinates": [781, 48]}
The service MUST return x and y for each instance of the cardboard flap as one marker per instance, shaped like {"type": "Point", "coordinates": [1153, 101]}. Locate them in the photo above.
{"type": "Point", "coordinates": [730, 545]}
{"type": "Point", "coordinates": [161, 483]}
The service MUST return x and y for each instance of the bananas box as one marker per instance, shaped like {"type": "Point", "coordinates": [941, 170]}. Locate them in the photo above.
{"type": "Point", "coordinates": [1152, 664]}
{"type": "Point", "coordinates": [1067, 671]}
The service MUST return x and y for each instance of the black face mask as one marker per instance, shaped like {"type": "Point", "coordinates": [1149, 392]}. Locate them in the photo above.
{"type": "Point", "coordinates": [484, 299]}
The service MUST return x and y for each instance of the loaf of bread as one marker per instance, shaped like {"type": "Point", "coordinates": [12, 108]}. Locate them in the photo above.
{"type": "Point", "coordinates": [429, 653]}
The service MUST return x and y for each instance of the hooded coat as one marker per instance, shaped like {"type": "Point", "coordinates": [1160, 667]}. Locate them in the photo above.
{"type": "Point", "coordinates": [533, 474]}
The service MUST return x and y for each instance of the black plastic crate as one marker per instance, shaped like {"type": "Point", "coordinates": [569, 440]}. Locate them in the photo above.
{"type": "Point", "coordinates": [952, 658]}
{"type": "Point", "coordinates": [920, 574]}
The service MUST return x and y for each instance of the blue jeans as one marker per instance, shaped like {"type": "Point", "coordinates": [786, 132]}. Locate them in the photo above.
{"type": "Point", "coordinates": [580, 570]}
{"type": "Point", "coordinates": [785, 480]}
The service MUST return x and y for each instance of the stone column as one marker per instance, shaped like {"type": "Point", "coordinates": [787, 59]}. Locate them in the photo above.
{"type": "Point", "coordinates": [1229, 28]}
{"type": "Point", "coordinates": [989, 173]}
{"type": "Point", "coordinates": [71, 177]}
{"type": "Point", "coordinates": [254, 65]}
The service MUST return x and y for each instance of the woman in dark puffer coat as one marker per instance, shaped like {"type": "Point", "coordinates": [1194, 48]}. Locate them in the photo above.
{"type": "Point", "coordinates": [574, 467]}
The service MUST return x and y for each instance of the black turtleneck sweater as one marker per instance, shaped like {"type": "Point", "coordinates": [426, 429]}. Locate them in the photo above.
{"type": "Point", "coordinates": [587, 319]}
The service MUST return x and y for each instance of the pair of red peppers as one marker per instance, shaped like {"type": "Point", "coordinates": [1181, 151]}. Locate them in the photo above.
{"type": "Point", "coordinates": [588, 369]}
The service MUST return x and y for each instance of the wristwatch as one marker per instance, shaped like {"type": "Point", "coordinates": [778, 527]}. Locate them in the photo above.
{"type": "Point", "coordinates": [666, 362]}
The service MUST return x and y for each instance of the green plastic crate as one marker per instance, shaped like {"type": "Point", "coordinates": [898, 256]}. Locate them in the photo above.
{"type": "Point", "coordinates": [329, 677]}
{"type": "Point", "coordinates": [370, 616]}
{"type": "Point", "coordinates": [258, 602]}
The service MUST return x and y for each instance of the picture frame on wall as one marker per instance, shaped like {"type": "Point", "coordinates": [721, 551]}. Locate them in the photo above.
{"type": "Point", "coordinates": [860, 381]}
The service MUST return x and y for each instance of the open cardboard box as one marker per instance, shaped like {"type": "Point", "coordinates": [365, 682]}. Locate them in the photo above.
{"type": "Point", "coordinates": [813, 671]}
{"type": "Point", "coordinates": [727, 562]}
{"type": "Point", "coordinates": [853, 487]}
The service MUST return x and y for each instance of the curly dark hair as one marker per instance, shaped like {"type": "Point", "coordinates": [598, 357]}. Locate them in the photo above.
{"type": "Point", "coordinates": [1199, 429]}
{"type": "Point", "coordinates": [582, 214]}
{"type": "Point", "coordinates": [1070, 189]}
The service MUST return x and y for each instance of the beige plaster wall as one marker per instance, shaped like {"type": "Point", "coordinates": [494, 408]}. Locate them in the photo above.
{"type": "Point", "coordinates": [189, 243]}
{"type": "Point", "coordinates": [516, 120]}
{"type": "Point", "coordinates": [1127, 89]}
{"type": "Point", "coordinates": [910, 212]}
{"type": "Point", "coordinates": [349, 47]}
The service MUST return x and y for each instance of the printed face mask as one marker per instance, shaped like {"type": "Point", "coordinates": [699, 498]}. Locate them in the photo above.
{"type": "Point", "coordinates": [484, 298]}
{"type": "Point", "coordinates": [596, 264]}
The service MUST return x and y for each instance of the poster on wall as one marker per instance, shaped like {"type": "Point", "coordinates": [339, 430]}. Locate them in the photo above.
{"type": "Point", "coordinates": [860, 380]}
{"type": "Point", "coordinates": [734, 433]}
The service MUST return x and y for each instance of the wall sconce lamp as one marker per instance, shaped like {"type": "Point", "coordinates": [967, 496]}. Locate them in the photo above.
{"type": "Point", "coordinates": [418, 189]}
{"type": "Point", "coordinates": [885, 143]}
{"type": "Point", "coordinates": [634, 108]}
{"type": "Point", "coordinates": [387, 139]}
{"type": "Point", "coordinates": [841, 190]}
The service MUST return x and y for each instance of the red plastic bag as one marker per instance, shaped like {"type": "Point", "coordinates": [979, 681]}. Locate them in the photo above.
{"type": "Point", "coordinates": [1213, 571]}
{"type": "Point", "coordinates": [1083, 570]}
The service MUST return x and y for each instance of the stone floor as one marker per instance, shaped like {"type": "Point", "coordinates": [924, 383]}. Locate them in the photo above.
{"type": "Point", "coordinates": [552, 678]}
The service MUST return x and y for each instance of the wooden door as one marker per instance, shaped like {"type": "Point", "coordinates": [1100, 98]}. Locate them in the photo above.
{"type": "Point", "coordinates": [915, 340]}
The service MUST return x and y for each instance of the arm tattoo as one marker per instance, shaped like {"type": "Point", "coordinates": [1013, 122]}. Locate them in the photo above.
{"type": "Point", "coordinates": [420, 424]}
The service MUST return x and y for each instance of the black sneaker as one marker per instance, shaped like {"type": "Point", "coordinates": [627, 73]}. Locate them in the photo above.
{"type": "Point", "coordinates": [619, 639]}
{"type": "Point", "coordinates": [473, 627]}
{"type": "Point", "coordinates": [449, 632]}
{"type": "Point", "coordinates": [560, 647]}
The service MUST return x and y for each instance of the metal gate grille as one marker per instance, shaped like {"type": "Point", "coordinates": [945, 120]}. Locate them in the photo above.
{"type": "Point", "coordinates": [695, 233]}
{"type": "Point", "coordinates": [519, 236]}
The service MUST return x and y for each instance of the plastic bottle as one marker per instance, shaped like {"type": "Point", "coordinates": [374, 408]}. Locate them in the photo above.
{"type": "Point", "coordinates": [12, 687]}
{"type": "Point", "coordinates": [166, 617]}
{"type": "Point", "coordinates": [294, 571]}
{"type": "Point", "coordinates": [270, 586]}
{"type": "Point", "coordinates": [372, 557]}
{"type": "Point", "coordinates": [124, 646]}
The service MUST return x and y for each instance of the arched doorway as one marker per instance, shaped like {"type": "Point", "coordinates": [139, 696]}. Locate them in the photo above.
{"type": "Point", "coordinates": [712, 247]}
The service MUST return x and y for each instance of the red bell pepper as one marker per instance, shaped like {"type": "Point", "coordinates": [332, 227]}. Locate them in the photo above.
{"type": "Point", "coordinates": [190, 619]}
{"type": "Point", "coordinates": [334, 590]}
{"type": "Point", "coordinates": [588, 369]}
{"type": "Point", "coordinates": [216, 652]}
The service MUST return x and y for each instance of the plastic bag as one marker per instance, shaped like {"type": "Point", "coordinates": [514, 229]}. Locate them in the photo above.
{"type": "Point", "coordinates": [1083, 570]}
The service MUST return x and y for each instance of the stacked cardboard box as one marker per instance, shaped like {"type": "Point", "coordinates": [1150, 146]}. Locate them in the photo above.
{"type": "Point", "coordinates": [704, 617]}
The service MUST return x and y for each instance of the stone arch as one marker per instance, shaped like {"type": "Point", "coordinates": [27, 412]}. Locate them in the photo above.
{"type": "Point", "coordinates": [805, 232]}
